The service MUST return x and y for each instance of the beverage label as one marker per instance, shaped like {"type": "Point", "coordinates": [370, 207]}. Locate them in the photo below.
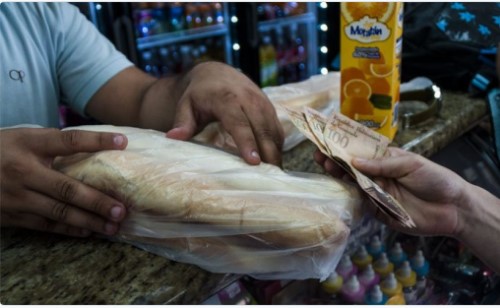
{"type": "Point", "coordinates": [371, 43]}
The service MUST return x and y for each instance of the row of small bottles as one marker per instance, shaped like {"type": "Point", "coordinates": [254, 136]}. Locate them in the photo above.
{"type": "Point", "coordinates": [373, 276]}
{"type": "Point", "coordinates": [275, 10]}
{"type": "Point", "coordinates": [153, 18]}
{"type": "Point", "coordinates": [282, 56]}
{"type": "Point", "coordinates": [171, 60]}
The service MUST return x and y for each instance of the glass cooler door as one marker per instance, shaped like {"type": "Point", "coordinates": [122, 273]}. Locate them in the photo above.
{"type": "Point", "coordinates": [275, 43]}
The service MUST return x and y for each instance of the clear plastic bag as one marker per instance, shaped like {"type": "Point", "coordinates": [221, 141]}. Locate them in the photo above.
{"type": "Point", "coordinates": [320, 92]}
{"type": "Point", "coordinates": [200, 205]}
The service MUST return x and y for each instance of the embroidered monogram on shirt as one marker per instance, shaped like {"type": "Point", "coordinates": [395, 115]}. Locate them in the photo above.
{"type": "Point", "coordinates": [17, 75]}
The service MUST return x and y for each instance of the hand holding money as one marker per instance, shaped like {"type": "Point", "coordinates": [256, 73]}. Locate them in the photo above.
{"type": "Point", "coordinates": [342, 139]}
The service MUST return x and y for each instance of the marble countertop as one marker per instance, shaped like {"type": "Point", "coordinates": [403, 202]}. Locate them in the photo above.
{"type": "Point", "coordinates": [41, 268]}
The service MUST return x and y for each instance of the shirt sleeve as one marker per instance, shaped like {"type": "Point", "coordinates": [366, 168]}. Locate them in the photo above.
{"type": "Point", "coordinates": [86, 59]}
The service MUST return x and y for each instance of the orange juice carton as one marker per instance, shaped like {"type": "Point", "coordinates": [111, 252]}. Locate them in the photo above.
{"type": "Point", "coordinates": [371, 45]}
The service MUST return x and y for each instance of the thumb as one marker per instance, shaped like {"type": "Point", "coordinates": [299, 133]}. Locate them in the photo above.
{"type": "Point", "coordinates": [389, 167]}
{"type": "Point", "coordinates": [185, 125]}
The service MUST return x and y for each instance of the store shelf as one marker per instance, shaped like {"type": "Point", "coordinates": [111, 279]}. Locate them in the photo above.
{"type": "Point", "coordinates": [287, 21]}
{"type": "Point", "coordinates": [181, 36]}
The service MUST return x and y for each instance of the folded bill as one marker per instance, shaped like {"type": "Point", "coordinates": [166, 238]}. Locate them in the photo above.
{"type": "Point", "coordinates": [341, 139]}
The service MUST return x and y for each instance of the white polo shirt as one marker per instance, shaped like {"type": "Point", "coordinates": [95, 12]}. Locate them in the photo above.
{"type": "Point", "coordinates": [50, 54]}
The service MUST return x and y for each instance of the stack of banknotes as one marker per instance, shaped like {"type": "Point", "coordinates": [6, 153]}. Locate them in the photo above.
{"type": "Point", "coordinates": [341, 139]}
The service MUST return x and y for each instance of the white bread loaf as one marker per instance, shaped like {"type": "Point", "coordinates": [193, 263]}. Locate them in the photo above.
{"type": "Point", "coordinates": [200, 203]}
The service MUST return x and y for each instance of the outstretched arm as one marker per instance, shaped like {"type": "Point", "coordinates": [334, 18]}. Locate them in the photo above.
{"type": "Point", "coordinates": [183, 105]}
{"type": "Point", "coordinates": [439, 201]}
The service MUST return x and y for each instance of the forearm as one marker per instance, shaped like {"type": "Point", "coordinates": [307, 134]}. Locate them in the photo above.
{"type": "Point", "coordinates": [158, 105]}
{"type": "Point", "coordinates": [133, 98]}
{"type": "Point", "coordinates": [480, 232]}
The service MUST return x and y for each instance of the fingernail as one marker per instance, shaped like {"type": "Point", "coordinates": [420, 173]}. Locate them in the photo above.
{"type": "Point", "coordinates": [116, 212]}
{"type": "Point", "coordinates": [359, 160]}
{"type": "Point", "coordinates": [118, 140]}
{"type": "Point", "coordinates": [255, 154]}
{"type": "Point", "coordinates": [109, 228]}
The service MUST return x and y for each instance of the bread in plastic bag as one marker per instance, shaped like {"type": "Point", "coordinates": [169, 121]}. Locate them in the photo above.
{"type": "Point", "coordinates": [320, 92]}
{"type": "Point", "coordinates": [200, 205]}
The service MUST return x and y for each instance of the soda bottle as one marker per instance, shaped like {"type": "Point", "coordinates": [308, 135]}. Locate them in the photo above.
{"type": "Point", "coordinates": [191, 15]}
{"type": "Point", "coordinates": [204, 56]}
{"type": "Point", "coordinates": [149, 63]}
{"type": "Point", "coordinates": [281, 56]}
{"type": "Point", "coordinates": [186, 57]}
{"type": "Point", "coordinates": [177, 16]}
{"type": "Point", "coordinates": [218, 12]}
{"type": "Point", "coordinates": [146, 24]}
{"type": "Point", "coordinates": [290, 59]}
{"type": "Point", "coordinates": [268, 65]}
{"type": "Point", "coordinates": [167, 66]}
{"type": "Point", "coordinates": [278, 10]}
{"type": "Point", "coordinates": [299, 53]}
{"type": "Point", "coordinates": [206, 15]}
{"type": "Point", "coordinates": [160, 16]}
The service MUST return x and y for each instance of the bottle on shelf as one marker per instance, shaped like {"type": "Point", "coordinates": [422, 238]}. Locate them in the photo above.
{"type": "Point", "coordinates": [268, 65]}
{"type": "Point", "coordinates": [421, 267]}
{"type": "Point", "coordinates": [396, 255]}
{"type": "Point", "coordinates": [375, 247]}
{"type": "Point", "coordinates": [299, 53]}
{"type": "Point", "coordinates": [206, 15]}
{"type": "Point", "coordinates": [159, 12]}
{"type": "Point", "coordinates": [333, 284]}
{"type": "Point", "coordinates": [352, 291]}
{"type": "Point", "coordinates": [281, 58]}
{"type": "Point", "coordinates": [150, 63]}
{"type": "Point", "coordinates": [192, 15]}
{"type": "Point", "coordinates": [166, 65]}
{"type": "Point", "coordinates": [397, 299]}
{"type": "Point", "coordinates": [345, 268]}
{"type": "Point", "coordinates": [278, 10]}
{"type": "Point", "coordinates": [290, 66]}
{"type": "Point", "coordinates": [383, 266]}
{"type": "Point", "coordinates": [176, 18]}
{"type": "Point", "coordinates": [361, 258]}
{"type": "Point", "coordinates": [186, 57]}
{"type": "Point", "coordinates": [390, 286]}
{"type": "Point", "coordinates": [145, 23]}
{"type": "Point", "coordinates": [368, 277]}
{"type": "Point", "coordinates": [408, 279]}
{"type": "Point", "coordinates": [203, 50]}
{"type": "Point", "coordinates": [375, 296]}
{"type": "Point", "coordinates": [218, 12]}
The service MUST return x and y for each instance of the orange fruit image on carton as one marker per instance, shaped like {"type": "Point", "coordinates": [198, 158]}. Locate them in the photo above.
{"type": "Point", "coordinates": [371, 42]}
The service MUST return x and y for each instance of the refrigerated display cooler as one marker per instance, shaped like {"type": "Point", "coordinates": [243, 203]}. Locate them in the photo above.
{"type": "Point", "coordinates": [273, 43]}
{"type": "Point", "coordinates": [165, 38]}
{"type": "Point", "coordinates": [277, 41]}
